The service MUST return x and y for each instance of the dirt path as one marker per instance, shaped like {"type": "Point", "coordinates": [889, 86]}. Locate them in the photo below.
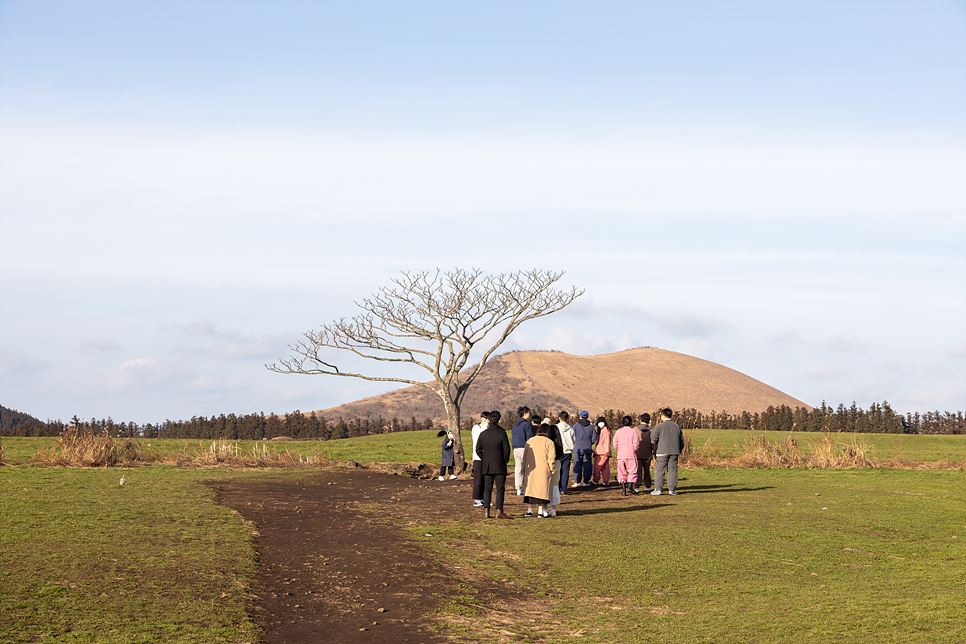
{"type": "Point", "coordinates": [331, 571]}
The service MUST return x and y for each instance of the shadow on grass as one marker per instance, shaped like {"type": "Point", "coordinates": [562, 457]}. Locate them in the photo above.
{"type": "Point", "coordinates": [612, 510]}
{"type": "Point", "coordinates": [706, 489]}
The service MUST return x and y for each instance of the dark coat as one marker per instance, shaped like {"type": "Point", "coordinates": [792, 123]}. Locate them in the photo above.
{"type": "Point", "coordinates": [493, 448]}
{"type": "Point", "coordinates": [448, 459]}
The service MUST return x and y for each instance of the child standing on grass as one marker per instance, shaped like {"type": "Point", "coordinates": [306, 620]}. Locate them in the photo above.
{"type": "Point", "coordinates": [602, 453]}
{"type": "Point", "coordinates": [448, 459]}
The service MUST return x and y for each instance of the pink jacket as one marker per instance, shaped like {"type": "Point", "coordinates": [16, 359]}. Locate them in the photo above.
{"type": "Point", "coordinates": [626, 442]}
{"type": "Point", "coordinates": [603, 442]}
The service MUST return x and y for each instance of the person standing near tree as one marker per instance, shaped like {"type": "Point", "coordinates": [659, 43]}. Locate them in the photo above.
{"type": "Point", "coordinates": [667, 440]}
{"type": "Point", "coordinates": [493, 448]}
{"type": "Point", "coordinates": [602, 453]}
{"type": "Point", "coordinates": [626, 441]}
{"type": "Point", "coordinates": [447, 460]}
{"type": "Point", "coordinates": [584, 438]}
{"type": "Point", "coordinates": [567, 440]}
{"type": "Point", "coordinates": [477, 466]}
{"type": "Point", "coordinates": [644, 453]}
{"type": "Point", "coordinates": [522, 432]}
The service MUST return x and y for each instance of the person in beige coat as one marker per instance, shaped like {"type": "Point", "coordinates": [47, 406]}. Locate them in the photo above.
{"type": "Point", "coordinates": [538, 459]}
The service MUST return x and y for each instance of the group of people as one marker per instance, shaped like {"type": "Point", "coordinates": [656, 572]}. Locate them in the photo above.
{"type": "Point", "coordinates": [545, 452]}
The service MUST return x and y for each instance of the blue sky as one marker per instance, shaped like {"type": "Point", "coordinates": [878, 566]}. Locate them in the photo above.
{"type": "Point", "coordinates": [186, 187]}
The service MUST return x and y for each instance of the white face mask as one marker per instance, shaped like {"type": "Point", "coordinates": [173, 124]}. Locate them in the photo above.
{"type": "Point", "coordinates": [601, 425]}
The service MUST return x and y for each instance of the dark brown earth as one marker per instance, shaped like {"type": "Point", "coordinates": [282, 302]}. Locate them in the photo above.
{"type": "Point", "coordinates": [331, 569]}
{"type": "Point", "coordinates": [341, 558]}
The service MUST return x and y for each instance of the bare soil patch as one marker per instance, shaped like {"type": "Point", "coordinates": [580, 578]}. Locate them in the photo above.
{"type": "Point", "coordinates": [333, 569]}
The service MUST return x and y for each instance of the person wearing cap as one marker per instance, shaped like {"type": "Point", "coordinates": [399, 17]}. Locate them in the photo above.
{"type": "Point", "coordinates": [585, 435]}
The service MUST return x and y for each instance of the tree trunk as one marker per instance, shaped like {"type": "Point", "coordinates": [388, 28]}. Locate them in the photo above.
{"type": "Point", "coordinates": [453, 420]}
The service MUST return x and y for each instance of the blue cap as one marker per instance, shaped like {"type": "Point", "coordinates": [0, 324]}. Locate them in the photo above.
{"type": "Point", "coordinates": [584, 414]}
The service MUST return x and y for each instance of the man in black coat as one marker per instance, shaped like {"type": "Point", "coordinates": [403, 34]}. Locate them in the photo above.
{"type": "Point", "coordinates": [493, 448]}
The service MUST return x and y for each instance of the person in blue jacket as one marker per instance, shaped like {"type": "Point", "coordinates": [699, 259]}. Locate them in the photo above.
{"type": "Point", "coordinates": [585, 435]}
{"type": "Point", "coordinates": [522, 432]}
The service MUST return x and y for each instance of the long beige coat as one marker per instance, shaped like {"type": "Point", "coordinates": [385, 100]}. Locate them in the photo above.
{"type": "Point", "coordinates": [538, 458]}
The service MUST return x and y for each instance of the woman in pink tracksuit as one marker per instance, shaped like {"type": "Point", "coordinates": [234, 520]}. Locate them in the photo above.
{"type": "Point", "coordinates": [626, 441]}
{"type": "Point", "coordinates": [602, 453]}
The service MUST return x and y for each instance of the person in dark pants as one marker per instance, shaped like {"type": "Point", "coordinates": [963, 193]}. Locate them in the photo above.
{"type": "Point", "coordinates": [585, 435]}
{"type": "Point", "coordinates": [667, 441]}
{"type": "Point", "coordinates": [448, 461]}
{"type": "Point", "coordinates": [644, 453]}
{"type": "Point", "coordinates": [567, 438]}
{"type": "Point", "coordinates": [477, 491]}
{"type": "Point", "coordinates": [493, 448]}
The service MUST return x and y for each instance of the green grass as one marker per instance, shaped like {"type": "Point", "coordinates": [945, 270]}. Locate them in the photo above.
{"type": "Point", "coordinates": [752, 556]}
{"type": "Point", "coordinates": [84, 559]}
{"type": "Point", "coordinates": [758, 556]}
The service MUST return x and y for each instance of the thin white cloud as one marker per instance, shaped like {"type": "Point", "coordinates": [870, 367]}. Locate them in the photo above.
{"type": "Point", "coordinates": [102, 346]}
{"type": "Point", "coordinates": [230, 344]}
{"type": "Point", "coordinates": [826, 372]}
{"type": "Point", "coordinates": [146, 371]}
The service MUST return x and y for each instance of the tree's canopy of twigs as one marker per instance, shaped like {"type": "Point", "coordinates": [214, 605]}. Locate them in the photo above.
{"type": "Point", "coordinates": [433, 320]}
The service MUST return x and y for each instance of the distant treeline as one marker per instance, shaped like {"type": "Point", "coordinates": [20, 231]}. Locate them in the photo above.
{"type": "Point", "coordinates": [248, 427]}
{"type": "Point", "coordinates": [879, 418]}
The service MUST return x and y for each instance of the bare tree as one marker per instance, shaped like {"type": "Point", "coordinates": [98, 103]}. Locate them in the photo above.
{"type": "Point", "coordinates": [433, 320]}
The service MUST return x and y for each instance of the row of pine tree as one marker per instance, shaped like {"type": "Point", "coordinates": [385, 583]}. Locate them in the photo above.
{"type": "Point", "coordinates": [879, 418]}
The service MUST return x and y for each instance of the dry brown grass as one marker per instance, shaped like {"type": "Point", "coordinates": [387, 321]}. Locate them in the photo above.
{"type": "Point", "coordinates": [3, 459]}
{"type": "Point", "coordinates": [225, 453]}
{"type": "Point", "coordinates": [78, 446]}
{"type": "Point", "coordinates": [758, 452]}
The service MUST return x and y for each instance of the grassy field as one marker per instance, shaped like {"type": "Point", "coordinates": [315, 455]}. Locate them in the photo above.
{"type": "Point", "coordinates": [405, 447]}
{"type": "Point", "coordinates": [752, 556]}
{"type": "Point", "coordinates": [743, 555]}
{"type": "Point", "coordinates": [85, 559]}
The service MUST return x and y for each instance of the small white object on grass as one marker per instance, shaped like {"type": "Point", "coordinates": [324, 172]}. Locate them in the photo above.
{"type": "Point", "coordinates": [122, 480]}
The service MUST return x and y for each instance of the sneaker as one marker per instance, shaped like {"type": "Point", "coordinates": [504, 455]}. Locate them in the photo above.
{"type": "Point", "coordinates": [452, 476]}
{"type": "Point", "coordinates": [478, 503]}
{"type": "Point", "coordinates": [541, 515]}
{"type": "Point", "coordinates": [635, 490]}
{"type": "Point", "coordinates": [442, 478]}
{"type": "Point", "coordinates": [656, 493]}
{"type": "Point", "coordinates": [553, 512]}
{"type": "Point", "coordinates": [673, 493]}
{"type": "Point", "coordinates": [528, 514]}
{"type": "Point", "coordinates": [519, 492]}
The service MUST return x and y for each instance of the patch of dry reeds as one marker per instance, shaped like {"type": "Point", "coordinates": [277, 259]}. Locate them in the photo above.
{"type": "Point", "coordinates": [758, 452]}
{"type": "Point", "coordinates": [225, 453]}
{"type": "Point", "coordinates": [78, 446]}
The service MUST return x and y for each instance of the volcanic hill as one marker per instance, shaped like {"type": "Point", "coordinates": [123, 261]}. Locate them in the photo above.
{"type": "Point", "coordinates": [635, 381]}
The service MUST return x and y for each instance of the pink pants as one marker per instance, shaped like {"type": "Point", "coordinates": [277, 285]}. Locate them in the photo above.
{"type": "Point", "coordinates": [627, 470]}
{"type": "Point", "coordinates": [601, 469]}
